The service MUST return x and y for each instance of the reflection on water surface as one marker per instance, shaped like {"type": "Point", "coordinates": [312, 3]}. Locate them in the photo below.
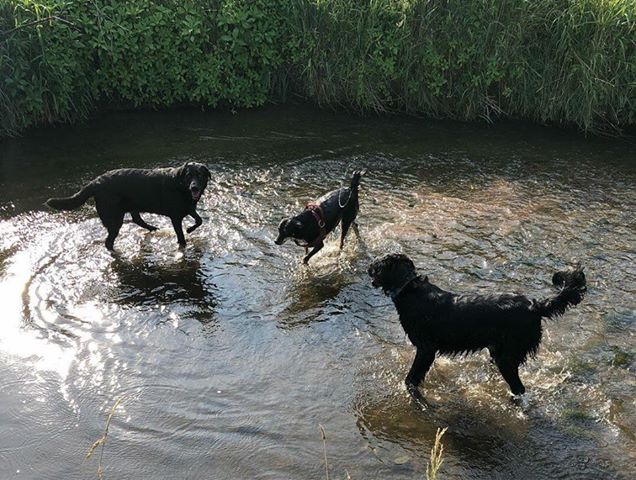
{"type": "Point", "coordinates": [229, 354]}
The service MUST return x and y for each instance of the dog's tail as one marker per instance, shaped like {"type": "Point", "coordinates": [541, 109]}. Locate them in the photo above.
{"type": "Point", "coordinates": [573, 288]}
{"type": "Point", "coordinates": [355, 179]}
{"type": "Point", "coordinates": [74, 201]}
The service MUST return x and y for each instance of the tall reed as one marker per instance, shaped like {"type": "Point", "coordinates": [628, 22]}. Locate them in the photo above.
{"type": "Point", "coordinates": [563, 62]}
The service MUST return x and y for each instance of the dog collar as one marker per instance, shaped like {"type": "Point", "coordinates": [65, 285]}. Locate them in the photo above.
{"type": "Point", "coordinates": [396, 293]}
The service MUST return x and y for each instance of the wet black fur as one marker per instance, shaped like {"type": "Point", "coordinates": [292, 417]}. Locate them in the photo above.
{"type": "Point", "coordinates": [173, 192]}
{"type": "Point", "coordinates": [441, 322]}
{"type": "Point", "coordinates": [304, 228]}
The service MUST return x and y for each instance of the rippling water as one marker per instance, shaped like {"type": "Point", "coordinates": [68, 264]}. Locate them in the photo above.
{"type": "Point", "coordinates": [228, 355]}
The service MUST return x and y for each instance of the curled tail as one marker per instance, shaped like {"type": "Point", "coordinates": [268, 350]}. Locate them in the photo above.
{"type": "Point", "coordinates": [72, 202]}
{"type": "Point", "coordinates": [573, 288]}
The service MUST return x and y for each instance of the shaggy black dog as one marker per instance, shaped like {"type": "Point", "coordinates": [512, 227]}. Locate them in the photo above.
{"type": "Point", "coordinates": [309, 228]}
{"type": "Point", "coordinates": [173, 192]}
{"type": "Point", "coordinates": [451, 324]}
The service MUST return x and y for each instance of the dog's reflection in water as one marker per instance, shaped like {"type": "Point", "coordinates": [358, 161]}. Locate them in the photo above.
{"type": "Point", "coordinates": [314, 297]}
{"type": "Point", "coordinates": [150, 281]}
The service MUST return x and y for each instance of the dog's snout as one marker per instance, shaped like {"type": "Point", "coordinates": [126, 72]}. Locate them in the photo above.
{"type": "Point", "coordinates": [195, 190]}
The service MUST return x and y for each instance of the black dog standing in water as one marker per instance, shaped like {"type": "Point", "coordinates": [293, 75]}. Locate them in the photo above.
{"type": "Point", "coordinates": [310, 228]}
{"type": "Point", "coordinates": [439, 321]}
{"type": "Point", "coordinates": [173, 192]}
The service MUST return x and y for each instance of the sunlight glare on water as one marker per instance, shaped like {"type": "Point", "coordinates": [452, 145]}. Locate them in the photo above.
{"type": "Point", "coordinates": [226, 356]}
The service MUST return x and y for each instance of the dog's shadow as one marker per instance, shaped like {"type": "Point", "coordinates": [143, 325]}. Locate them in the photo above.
{"type": "Point", "coordinates": [313, 295]}
{"type": "Point", "coordinates": [483, 440]}
{"type": "Point", "coordinates": [152, 280]}
{"type": "Point", "coordinates": [474, 434]}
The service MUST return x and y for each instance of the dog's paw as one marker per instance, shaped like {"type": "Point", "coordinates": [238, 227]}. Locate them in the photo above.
{"type": "Point", "coordinates": [520, 400]}
{"type": "Point", "coordinates": [191, 229]}
{"type": "Point", "coordinates": [418, 399]}
{"type": "Point", "coordinates": [416, 395]}
{"type": "Point", "coordinates": [152, 228]}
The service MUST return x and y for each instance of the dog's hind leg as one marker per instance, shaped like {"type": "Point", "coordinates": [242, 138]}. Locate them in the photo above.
{"type": "Point", "coordinates": [140, 221]}
{"type": "Point", "coordinates": [355, 229]}
{"type": "Point", "coordinates": [424, 358]}
{"type": "Point", "coordinates": [348, 221]}
{"type": "Point", "coordinates": [348, 218]}
{"type": "Point", "coordinates": [345, 229]}
{"type": "Point", "coordinates": [112, 224]}
{"type": "Point", "coordinates": [510, 371]}
{"type": "Point", "coordinates": [112, 218]}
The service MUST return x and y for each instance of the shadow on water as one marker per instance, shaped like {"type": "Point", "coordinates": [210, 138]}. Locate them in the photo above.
{"type": "Point", "coordinates": [493, 441]}
{"type": "Point", "coordinates": [312, 296]}
{"type": "Point", "coordinates": [150, 281]}
{"type": "Point", "coordinates": [315, 292]}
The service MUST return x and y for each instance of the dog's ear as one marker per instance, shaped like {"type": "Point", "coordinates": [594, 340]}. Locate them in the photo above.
{"type": "Point", "coordinates": [294, 226]}
{"type": "Point", "coordinates": [207, 172]}
{"type": "Point", "coordinates": [182, 171]}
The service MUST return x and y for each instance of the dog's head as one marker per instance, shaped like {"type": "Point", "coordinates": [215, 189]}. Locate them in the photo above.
{"type": "Point", "coordinates": [391, 271]}
{"type": "Point", "coordinates": [194, 177]}
{"type": "Point", "coordinates": [288, 228]}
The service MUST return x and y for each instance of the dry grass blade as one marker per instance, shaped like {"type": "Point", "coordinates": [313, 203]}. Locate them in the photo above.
{"type": "Point", "coordinates": [102, 440]}
{"type": "Point", "coordinates": [323, 437]}
{"type": "Point", "coordinates": [436, 455]}
{"type": "Point", "coordinates": [97, 443]}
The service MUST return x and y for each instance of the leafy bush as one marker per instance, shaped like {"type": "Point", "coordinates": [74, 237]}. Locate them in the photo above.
{"type": "Point", "coordinates": [553, 61]}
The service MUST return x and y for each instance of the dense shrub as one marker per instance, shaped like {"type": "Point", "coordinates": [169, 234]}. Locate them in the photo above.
{"type": "Point", "coordinates": [552, 61]}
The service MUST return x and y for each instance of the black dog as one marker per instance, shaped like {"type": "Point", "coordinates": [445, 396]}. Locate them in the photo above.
{"type": "Point", "coordinates": [310, 228]}
{"type": "Point", "coordinates": [439, 321]}
{"type": "Point", "coordinates": [173, 192]}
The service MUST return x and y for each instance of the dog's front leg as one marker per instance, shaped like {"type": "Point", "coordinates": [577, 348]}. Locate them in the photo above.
{"type": "Point", "coordinates": [424, 358]}
{"type": "Point", "coordinates": [313, 252]}
{"type": "Point", "coordinates": [178, 229]}
{"type": "Point", "coordinates": [197, 222]}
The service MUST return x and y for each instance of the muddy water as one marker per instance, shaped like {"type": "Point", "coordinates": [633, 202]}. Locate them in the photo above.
{"type": "Point", "coordinates": [225, 357]}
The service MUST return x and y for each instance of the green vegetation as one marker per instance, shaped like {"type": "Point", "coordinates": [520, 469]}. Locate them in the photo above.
{"type": "Point", "coordinates": [565, 62]}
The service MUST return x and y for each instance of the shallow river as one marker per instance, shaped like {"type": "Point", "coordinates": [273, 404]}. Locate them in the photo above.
{"type": "Point", "coordinates": [226, 357]}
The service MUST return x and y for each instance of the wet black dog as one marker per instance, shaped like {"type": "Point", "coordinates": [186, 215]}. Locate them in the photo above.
{"type": "Point", "coordinates": [309, 228]}
{"type": "Point", "coordinates": [437, 321]}
{"type": "Point", "coordinates": [173, 192]}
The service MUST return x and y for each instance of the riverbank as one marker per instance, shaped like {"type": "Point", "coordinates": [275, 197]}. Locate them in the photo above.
{"type": "Point", "coordinates": [566, 63]}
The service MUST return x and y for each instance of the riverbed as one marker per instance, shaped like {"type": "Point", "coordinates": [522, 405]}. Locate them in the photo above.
{"type": "Point", "coordinates": [222, 359]}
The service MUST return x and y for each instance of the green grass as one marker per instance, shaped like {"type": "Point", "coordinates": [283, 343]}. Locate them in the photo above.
{"type": "Point", "coordinates": [561, 62]}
